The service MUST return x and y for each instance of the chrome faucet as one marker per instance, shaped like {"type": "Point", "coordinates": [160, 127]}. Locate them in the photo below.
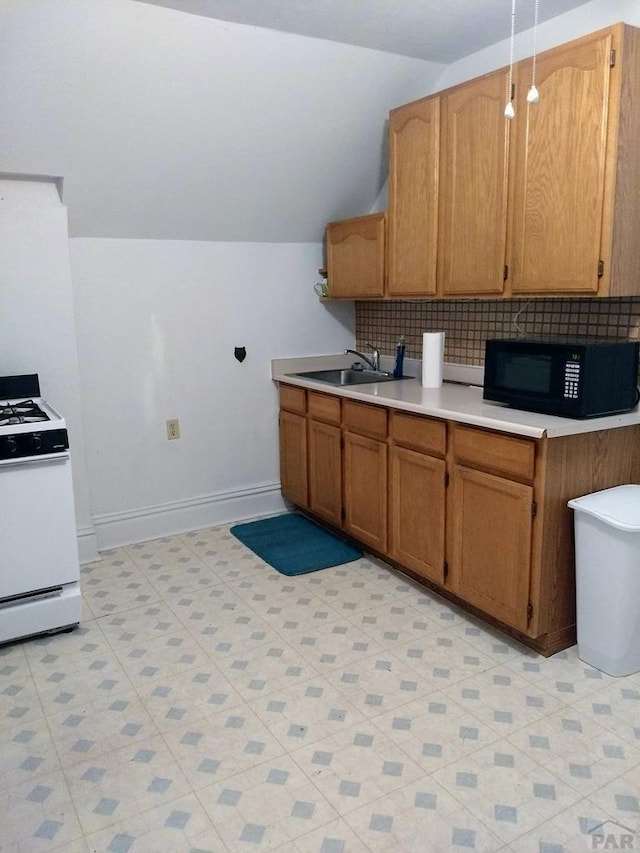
{"type": "Point", "coordinates": [373, 362]}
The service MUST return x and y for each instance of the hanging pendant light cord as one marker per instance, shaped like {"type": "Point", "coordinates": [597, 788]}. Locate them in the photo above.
{"type": "Point", "coordinates": [535, 42]}
{"type": "Point", "coordinates": [533, 96]}
{"type": "Point", "coordinates": [513, 33]}
{"type": "Point", "coordinates": [509, 112]}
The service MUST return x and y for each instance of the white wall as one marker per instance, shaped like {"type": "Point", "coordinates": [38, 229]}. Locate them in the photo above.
{"type": "Point", "coordinates": [37, 333]}
{"type": "Point", "coordinates": [157, 325]}
{"type": "Point", "coordinates": [586, 19]}
{"type": "Point", "coordinates": [183, 128]}
{"type": "Point", "coordinates": [167, 125]}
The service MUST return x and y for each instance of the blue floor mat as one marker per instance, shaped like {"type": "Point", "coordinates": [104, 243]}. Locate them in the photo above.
{"type": "Point", "coordinates": [294, 545]}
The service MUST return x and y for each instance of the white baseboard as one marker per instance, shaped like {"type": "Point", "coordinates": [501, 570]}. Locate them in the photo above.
{"type": "Point", "coordinates": [153, 522]}
{"type": "Point", "coordinates": [87, 544]}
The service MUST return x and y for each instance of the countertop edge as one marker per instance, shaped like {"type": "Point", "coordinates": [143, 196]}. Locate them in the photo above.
{"type": "Point", "coordinates": [454, 401]}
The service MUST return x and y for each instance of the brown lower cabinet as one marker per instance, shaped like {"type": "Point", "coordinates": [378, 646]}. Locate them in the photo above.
{"type": "Point", "coordinates": [417, 495]}
{"type": "Point", "coordinates": [477, 515]}
{"type": "Point", "coordinates": [365, 473]}
{"type": "Point", "coordinates": [491, 511]}
{"type": "Point", "coordinates": [325, 457]}
{"type": "Point", "coordinates": [293, 445]}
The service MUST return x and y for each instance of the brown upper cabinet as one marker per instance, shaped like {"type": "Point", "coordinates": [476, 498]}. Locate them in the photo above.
{"type": "Point", "coordinates": [575, 203]}
{"type": "Point", "coordinates": [473, 198]}
{"type": "Point", "coordinates": [414, 140]}
{"type": "Point", "coordinates": [356, 257]}
{"type": "Point", "coordinates": [545, 204]}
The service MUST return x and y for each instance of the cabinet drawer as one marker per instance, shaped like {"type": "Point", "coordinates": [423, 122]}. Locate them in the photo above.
{"type": "Point", "coordinates": [495, 452]}
{"type": "Point", "coordinates": [293, 399]}
{"type": "Point", "coordinates": [363, 419]}
{"type": "Point", "coordinates": [322, 407]}
{"type": "Point", "coordinates": [423, 434]}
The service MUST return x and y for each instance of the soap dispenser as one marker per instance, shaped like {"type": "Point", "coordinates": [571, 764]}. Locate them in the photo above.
{"type": "Point", "coordinates": [400, 348]}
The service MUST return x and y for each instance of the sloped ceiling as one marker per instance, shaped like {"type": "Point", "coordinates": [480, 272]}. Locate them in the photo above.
{"type": "Point", "coordinates": [168, 125]}
{"type": "Point", "coordinates": [436, 31]}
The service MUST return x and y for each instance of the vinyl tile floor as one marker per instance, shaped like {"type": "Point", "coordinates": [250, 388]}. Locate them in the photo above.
{"type": "Point", "coordinates": [208, 703]}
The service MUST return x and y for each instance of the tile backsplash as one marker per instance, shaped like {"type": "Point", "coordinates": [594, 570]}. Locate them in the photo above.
{"type": "Point", "coordinates": [468, 323]}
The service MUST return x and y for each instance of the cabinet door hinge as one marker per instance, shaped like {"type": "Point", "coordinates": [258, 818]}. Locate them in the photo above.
{"type": "Point", "coordinates": [600, 269]}
{"type": "Point", "coordinates": [529, 612]}
{"type": "Point", "coordinates": [446, 570]}
{"type": "Point", "coordinates": [612, 59]}
{"type": "Point", "coordinates": [534, 509]}
{"type": "Point", "coordinates": [341, 442]}
{"type": "Point", "coordinates": [343, 513]}
{"type": "Point", "coordinates": [505, 272]}
{"type": "Point", "coordinates": [446, 479]}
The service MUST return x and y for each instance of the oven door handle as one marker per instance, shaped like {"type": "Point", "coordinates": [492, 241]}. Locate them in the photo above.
{"type": "Point", "coordinates": [45, 458]}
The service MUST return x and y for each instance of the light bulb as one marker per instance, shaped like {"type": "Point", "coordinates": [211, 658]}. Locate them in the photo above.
{"type": "Point", "coordinates": [533, 96]}
{"type": "Point", "coordinates": [509, 112]}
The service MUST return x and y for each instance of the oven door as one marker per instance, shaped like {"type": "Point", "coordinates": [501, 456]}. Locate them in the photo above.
{"type": "Point", "coordinates": [38, 544]}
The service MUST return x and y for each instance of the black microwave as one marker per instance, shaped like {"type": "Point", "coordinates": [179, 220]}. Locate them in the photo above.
{"type": "Point", "coordinates": [572, 378]}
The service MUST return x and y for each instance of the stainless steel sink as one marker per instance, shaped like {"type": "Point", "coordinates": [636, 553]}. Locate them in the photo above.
{"type": "Point", "coordinates": [348, 376]}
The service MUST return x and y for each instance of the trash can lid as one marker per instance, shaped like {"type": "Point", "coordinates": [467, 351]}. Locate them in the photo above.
{"type": "Point", "coordinates": [619, 506]}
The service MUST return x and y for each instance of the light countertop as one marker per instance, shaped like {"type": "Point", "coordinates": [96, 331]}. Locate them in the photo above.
{"type": "Point", "coordinates": [453, 401]}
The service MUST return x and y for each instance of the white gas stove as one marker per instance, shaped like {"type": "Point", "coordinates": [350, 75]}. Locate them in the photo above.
{"type": "Point", "coordinates": [39, 569]}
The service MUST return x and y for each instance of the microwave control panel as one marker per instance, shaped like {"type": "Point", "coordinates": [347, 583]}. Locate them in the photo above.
{"type": "Point", "coordinates": [571, 380]}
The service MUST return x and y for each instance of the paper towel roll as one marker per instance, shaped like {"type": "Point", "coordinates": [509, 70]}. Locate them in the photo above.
{"type": "Point", "coordinates": [432, 359]}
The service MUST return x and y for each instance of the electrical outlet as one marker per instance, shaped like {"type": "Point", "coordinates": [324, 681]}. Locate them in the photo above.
{"type": "Point", "coordinates": [173, 428]}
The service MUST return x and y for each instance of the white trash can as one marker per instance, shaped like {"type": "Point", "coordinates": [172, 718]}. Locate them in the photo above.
{"type": "Point", "coordinates": [607, 534]}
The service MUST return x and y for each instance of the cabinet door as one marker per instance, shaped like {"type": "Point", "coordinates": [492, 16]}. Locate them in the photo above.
{"type": "Point", "coordinates": [414, 131]}
{"type": "Point", "coordinates": [325, 471]}
{"type": "Point", "coordinates": [293, 457]}
{"type": "Point", "coordinates": [355, 257]}
{"type": "Point", "coordinates": [365, 489]}
{"type": "Point", "coordinates": [490, 543]}
{"type": "Point", "coordinates": [558, 176]}
{"type": "Point", "coordinates": [417, 512]}
{"type": "Point", "coordinates": [473, 187]}
{"type": "Point", "coordinates": [293, 399]}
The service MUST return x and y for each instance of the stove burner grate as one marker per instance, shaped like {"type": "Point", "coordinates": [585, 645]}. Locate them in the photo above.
{"type": "Point", "coordinates": [24, 412]}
